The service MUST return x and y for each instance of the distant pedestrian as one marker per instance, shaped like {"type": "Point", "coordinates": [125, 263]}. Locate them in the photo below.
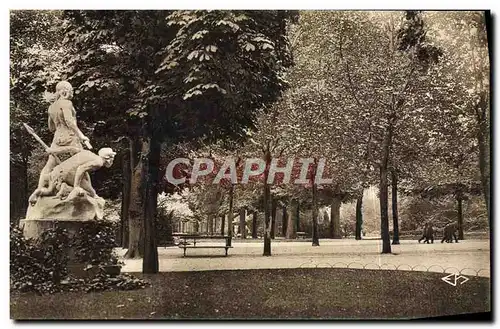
{"type": "Point", "coordinates": [427, 234]}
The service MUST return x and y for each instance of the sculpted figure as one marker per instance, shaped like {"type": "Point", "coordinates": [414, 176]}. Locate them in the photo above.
{"type": "Point", "coordinates": [67, 136]}
{"type": "Point", "coordinates": [74, 172]}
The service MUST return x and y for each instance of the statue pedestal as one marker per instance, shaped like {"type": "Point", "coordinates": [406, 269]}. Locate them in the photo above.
{"type": "Point", "coordinates": [69, 214]}
{"type": "Point", "coordinates": [79, 209]}
{"type": "Point", "coordinates": [33, 228]}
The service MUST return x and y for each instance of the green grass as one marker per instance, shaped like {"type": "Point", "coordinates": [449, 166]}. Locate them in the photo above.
{"type": "Point", "coordinates": [268, 294]}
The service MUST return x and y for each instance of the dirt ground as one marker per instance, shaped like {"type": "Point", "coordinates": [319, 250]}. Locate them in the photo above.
{"type": "Point", "coordinates": [472, 257]}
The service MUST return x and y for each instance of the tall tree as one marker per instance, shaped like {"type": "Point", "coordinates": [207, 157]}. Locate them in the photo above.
{"type": "Point", "coordinates": [465, 37]}
{"type": "Point", "coordinates": [206, 74]}
{"type": "Point", "coordinates": [449, 158]}
{"type": "Point", "coordinates": [393, 54]}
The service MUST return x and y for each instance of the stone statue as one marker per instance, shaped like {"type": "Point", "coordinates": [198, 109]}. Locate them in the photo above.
{"type": "Point", "coordinates": [73, 172]}
{"type": "Point", "coordinates": [67, 136]}
{"type": "Point", "coordinates": [64, 189]}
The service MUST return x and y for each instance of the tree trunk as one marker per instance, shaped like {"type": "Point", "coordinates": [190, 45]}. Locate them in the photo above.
{"type": "Point", "coordinates": [222, 224]}
{"type": "Point", "coordinates": [315, 235]}
{"type": "Point", "coordinates": [230, 216]}
{"type": "Point", "coordinates": [126, 181]}
{"type": "Point", "coordinates": [135, 231]}
{"type": "Point", "coordinates": [243, 230]}
{"type": "Point", "coordinates": [284, 221]}
{"type": "Point", "coordinates": [254, 225]}
{"type": "Point", "coordinates": [291, 220]}
{"type": "Point", "coordinates": [359, 216]}
{"type": "Point", "coordinates": [274, 209]}
{"type": "Point", "coordinates": [384, 193]}
{"type": "Point", "coordinates": [297, 217]}
{"type": "Point", "coordinates": [19, 189]}
{"type": "Point", "coordinates": [267, 201]}
{"type": "Point", "coordinates": [335, 218]}
{"type": "Point", "coordinates": [394, 194]}
{"type": "Point", "coordinates": [460, 217]}
{"type": "Point", "coordinates": [210, 224]}
{"type": "Point", "coordinates": [384, 216]}
{"type": "Point", "coordinates": [267, 221]}
{"type": "Point", "coordinates": [151, 172]}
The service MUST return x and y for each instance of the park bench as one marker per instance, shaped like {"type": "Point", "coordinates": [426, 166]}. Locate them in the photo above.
{"type": "Point", "coordinates": [301, 235]}
{"type": "Point", "coordinates": [193, 237]}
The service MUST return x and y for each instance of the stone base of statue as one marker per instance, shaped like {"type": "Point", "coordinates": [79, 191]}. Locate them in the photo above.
{"type": "Point", "coordinates": [78, 208]}
{"type": "Point", "coordinates": [33, 228]}
{"type": "Point", "coordinates": [69, 214]}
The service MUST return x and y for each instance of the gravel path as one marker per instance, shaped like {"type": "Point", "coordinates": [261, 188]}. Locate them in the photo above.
{"type": "Point", "coordinates": [471, 257]}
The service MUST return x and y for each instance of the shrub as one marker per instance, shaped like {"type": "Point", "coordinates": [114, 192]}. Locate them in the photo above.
{"type": "Point", "coordinates": [54, 244]}
{"type": "Point", "coordinates": [41, 265]}
{"type": "Point", "coordinates": [103, 282]}
{"type": "Point", "coordinates": [38, 265]}
{"type": "Point", "coordinates": [163, 224]}
{"type": "Point", "coordinates": [94, 243]}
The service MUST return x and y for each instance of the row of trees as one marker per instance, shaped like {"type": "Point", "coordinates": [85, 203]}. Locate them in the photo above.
{"type": "Point", "coordinates": [398, 98]}
{"type": "Point", "coordinates": [385, 98]}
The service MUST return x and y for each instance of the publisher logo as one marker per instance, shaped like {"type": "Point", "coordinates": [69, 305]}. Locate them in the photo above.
{"type": "Point", "coordinates": [453, 278]}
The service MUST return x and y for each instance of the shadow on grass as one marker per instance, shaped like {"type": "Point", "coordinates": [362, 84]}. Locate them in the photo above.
{"type": "Point", "coordinates": [320, 293]}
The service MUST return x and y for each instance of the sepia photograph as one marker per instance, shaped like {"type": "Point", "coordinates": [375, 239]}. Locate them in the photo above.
{"type": "Point", "coordinates": [250, 164]}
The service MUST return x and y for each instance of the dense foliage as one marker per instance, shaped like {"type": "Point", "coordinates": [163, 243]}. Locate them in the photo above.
{"type": "Point", "coordinates": [41, 265]}
{"type": "Point", "coordinates": [94, 243]}
{"type": "Point", "coordinates": [38, 265]}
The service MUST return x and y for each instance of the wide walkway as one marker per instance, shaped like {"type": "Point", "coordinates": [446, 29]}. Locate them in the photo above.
{"type": "Point", "coordinates": [471, 257]}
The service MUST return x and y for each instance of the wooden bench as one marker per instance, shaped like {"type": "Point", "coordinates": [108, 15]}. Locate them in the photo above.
{"type": "Point", "coordinates": [185, 245]}
{"type": "Point", "coordinates": [301, 235]}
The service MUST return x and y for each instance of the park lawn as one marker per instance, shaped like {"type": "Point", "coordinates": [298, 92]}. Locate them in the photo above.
{"type": "Point", "coordinates": [268, 294]}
